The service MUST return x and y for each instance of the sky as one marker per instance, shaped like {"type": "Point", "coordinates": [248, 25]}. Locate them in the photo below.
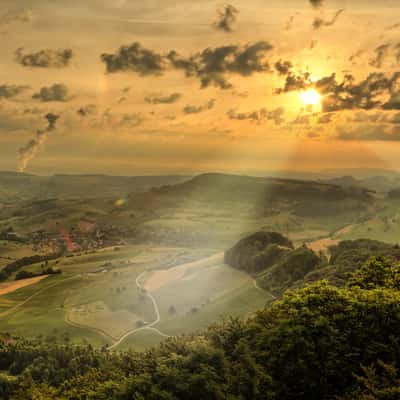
{"type": "Point", "coordinates": [180, 87]}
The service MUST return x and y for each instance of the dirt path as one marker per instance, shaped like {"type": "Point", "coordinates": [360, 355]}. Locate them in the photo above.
{"type": "Point", "coordinates": [10, 287]}
{"type": "Point", "coordinates": [11, 310]}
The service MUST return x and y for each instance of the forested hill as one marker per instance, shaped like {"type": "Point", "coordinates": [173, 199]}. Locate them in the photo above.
{"type": "Point", "coordinates": [276, 265]}
{"type": "Point", "coordinates": [321, 342]}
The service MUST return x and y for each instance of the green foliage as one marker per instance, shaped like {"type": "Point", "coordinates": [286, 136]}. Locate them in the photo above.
{"type": "Point", "coordinates": [258, 251]}
{"type": "Point", "coordinates": [291, 268]}
{"type": "Point", "coordinates": [378, 382]}
{"type": "Point", "coordinates": [377, 272]}
{"type": "Point", "coordinates": [313, 344]}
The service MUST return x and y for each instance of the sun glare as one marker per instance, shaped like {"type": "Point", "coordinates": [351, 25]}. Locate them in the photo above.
{"type": "Point", "coordinates": [310, 97]}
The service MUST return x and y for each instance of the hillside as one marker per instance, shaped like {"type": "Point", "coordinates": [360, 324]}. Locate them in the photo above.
{"type": "Point", "coordinates": [210, 209]}
{"type": "Point", "coordinates": [320, 342]}
{"type": "Point", "coordinates": [15, 185]}
{"type": "Point", "coordinates": [277, 266]}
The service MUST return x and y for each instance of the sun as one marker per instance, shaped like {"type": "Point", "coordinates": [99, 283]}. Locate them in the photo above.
{"type": "Point", "coordinates": [310, 97]}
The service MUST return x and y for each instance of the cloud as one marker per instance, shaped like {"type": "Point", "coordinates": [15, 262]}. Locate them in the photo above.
{"type": "Point", "coordinates": [283, 67]}
{"type": "Point", "coordinates": [365, 117]}
{"type": "Point", "coordinates": [393, 103]}
{"type": "Point", "coordinates": [135, 58]}
{"type": "Point", "coordinates": [90, 109]}
{"type": "Point", "coordinates": [28, 152]}
{"type": "Point", "coordinates": [259, 116]}
{"type": "Point", "coordinates": [189, 109]}
{"type": "Point", "coordinates": [302, 120]}
{"type": "Point", "coordinates": [325, 118]}
{"type": "Point", "coordinates": [114, 120]}
{"type": "Point", "coordinates": [289, 23]}
{"type": "Point", "coordinates": [13, 16]}
{"type": "Point", "coordinates": [316, 3]}
{"type": "Point", "coordinates": [319, 22]}
{"type": "Point", "coordinates": [313, 44]}
{"type": "Point", "coordinates": [56, 92]}
{"type": "Point", "coordinates": [226, 18]}
{"type": "Point", "coordinates": [210, 65]}
{"type": "Point", "coordinates": [169, 99]}
{"type": "Point", "coordinates": [393, 27]}
{"type": "Point", "coordinates": [348, 94]}
{"type": "Point", "coordinates": [47, 58]}
{"type": "Point", "coordinates": [242, 94]}
{"type": "Point", "coordinates": [10, 91]}
{"type": "Point", "coordinates": [356, 55]}
{"type": "Point", "coordinates": [295, 82]}
{"type": "Point", "coordinates": [381, 53]}
{"type": "Point", "coordinates": [131, 120]}
{"type": "Point", "coordinates": [371, 133]}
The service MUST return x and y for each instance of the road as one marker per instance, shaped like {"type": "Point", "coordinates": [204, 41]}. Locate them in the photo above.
{"type": "Point", "coordinates": [213, 258]}
{"type": "Point", "coordinates": [149, 326]}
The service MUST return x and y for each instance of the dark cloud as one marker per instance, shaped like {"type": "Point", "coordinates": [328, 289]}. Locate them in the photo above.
{"type": "Point", "coordinates": [319, 22]}
{"type": "Point", "coordinates": [316, 3]}
{"type": "Point", "coordinates": [393, 103]}
{"type": "Point", "coordinates": [226, 18]}
{"type": "Point", "coordinates": [381, 53]}
{"type": "Point", "coordinates": [190, 109]}
{"type": "Point", "coordinates": [89, 109]}
{"type": "Point", "coordinates": [10, 91]}
{"type": "Point", "coordinates": [135, 58]}
{"type": "Point", "coordinates": [56, 92]}
{"type": "Point", "coordinates": [283, 67]}
{"type": "Point", "coordinates": [348, 94]}
{"type": "Point", "coordinates": [295, 82]}
{"type": "Point", "coordinates": [168, 99]}
{"type": "Point", "coordinates": [356, 55]}
{"type": "Point", "coordinates": [210, 66]}
{"type": "Point", "coordinates": [259, 116]}
{"type": "Point", "coordinates": [109, 119]}
{"type": "Point", "coordinates": [33, 111]}
{"type": "Point", "coordinates": [47, 58]}
{"type": "Point", "coordinates": [131, 120]}
{"type": "Point", "coordinates": [241, 94]}
{"type": "Point", "coordinates": [27, 153]}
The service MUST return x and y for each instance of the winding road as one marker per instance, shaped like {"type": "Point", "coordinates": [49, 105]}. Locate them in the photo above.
{"type": "Point", "coordinates": [149, 326]}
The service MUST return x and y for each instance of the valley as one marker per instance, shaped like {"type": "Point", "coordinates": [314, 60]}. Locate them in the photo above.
{"type": "Point", "coordinates": [129, 270]}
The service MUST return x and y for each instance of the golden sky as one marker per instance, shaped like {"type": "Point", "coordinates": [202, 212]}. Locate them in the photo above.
{"type": "Point", "coordinates": [155, 87]}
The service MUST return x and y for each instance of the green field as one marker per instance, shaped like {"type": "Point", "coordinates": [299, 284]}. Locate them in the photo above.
{"type": "Point", "coordinates": [97, 298]}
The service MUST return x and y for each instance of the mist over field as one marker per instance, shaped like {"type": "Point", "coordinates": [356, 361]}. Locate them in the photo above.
{"type": "Point", "coordinates": [199, 200]}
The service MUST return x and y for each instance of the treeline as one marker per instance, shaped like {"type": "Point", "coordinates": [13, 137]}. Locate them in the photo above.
{"type": "Point", "coordinates": [28, 274]}
{"type": "Point", "coordinates": [14, 266]}
{"type": "Point", "coordinates": [321, 342]}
